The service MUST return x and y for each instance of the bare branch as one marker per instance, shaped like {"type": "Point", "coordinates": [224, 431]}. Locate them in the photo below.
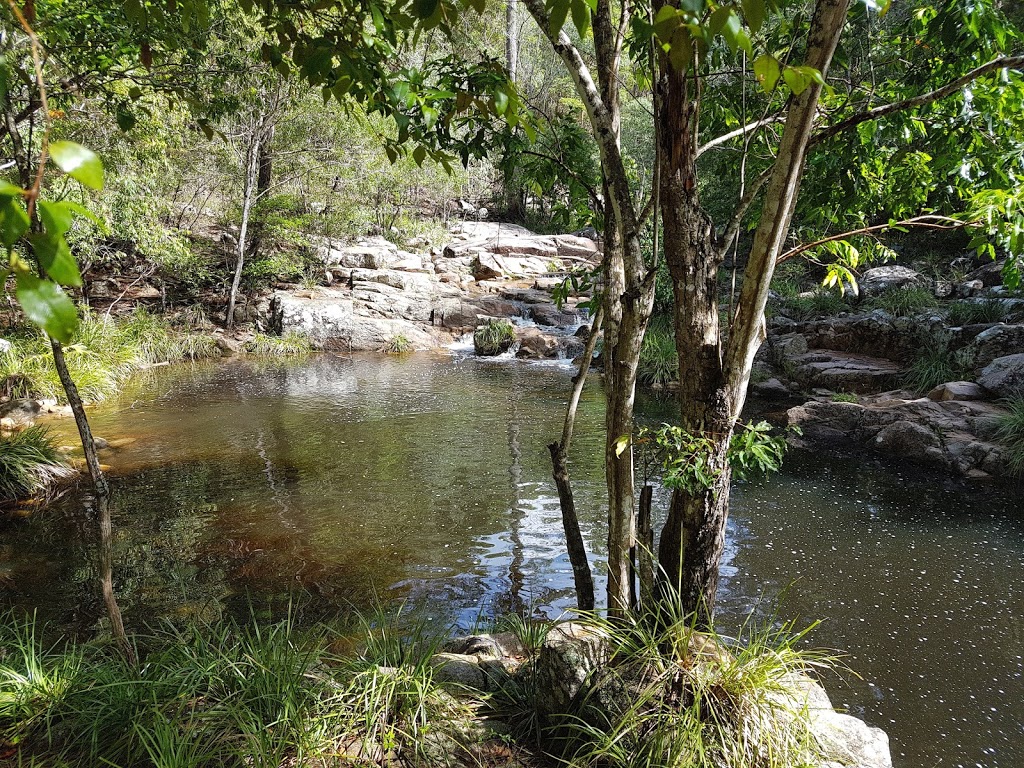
{"type": "Point", "coordinates": [1004, 62]}
{"type": "Point", "coordinates": [737, 133]}
{"type": "Point", "coordinates": [741, 210]}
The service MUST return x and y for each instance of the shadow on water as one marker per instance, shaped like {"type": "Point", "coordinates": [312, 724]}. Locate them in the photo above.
{"type": "Point", "coordinates": [330, 483]}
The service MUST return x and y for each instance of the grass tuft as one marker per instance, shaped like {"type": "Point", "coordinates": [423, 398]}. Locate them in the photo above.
{"type": "Point", "coordinates": [659, 359]}
{"type": "Point", "coordinates": [936, 364]}
{"type": "Point", "coordinates": [819, 304]}
{"type": "Point", "coordinates": [399, 345]}
{"type": "Point", "coordinates": [971, 312]}
{"type": "Point", "coordinates": [904, 302]}
{"type": "Point", "coordinates": [494, 338]}
{"type": "Point", "coordinates": [29, 464]}
{"type": "Point", "coordinates": [1009, 430]}
{"type": "Point", "coordinates": [288, 345]}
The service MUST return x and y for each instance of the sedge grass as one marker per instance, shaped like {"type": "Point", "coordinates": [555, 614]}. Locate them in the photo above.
{"type": "Point", "coordinates": [29, 464]}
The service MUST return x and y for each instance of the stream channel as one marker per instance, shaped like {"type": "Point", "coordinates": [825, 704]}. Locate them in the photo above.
{"type": "Point", "coordinates": [338, 481]}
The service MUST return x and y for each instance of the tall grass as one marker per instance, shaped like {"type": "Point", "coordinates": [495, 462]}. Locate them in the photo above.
{"type": "Point", "coordinates": [659, 360]}
{"type": "Point", "coordinates": [936, 363]}
{"type": "Point", "coordinates": [671, 696]}
{"type": "Point", "coordinates": [223, 694]}
{"type": "Point", "coordinates": [904, 302]}
{"type": "Point", "coordinates": [821, 303]}
{"type": "Point", "coordinates": [29, 464]}
{"type": "Point", "coordinates": [104, 354]}
{"type": "Point", "coordinates": [494, 338]}
{"type": "Point", "coordinates": [290, 344]}
{"type": "Point", "coordinates": [1010, 432]}
{"type": "Point", "coordinates": [970, 312]}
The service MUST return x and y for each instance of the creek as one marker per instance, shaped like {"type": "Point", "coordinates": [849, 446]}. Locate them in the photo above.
{"type": "Point", "coordinates": [316, 485]}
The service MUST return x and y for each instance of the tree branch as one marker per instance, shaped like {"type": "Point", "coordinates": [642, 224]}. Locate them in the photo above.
{"type": "Point", "coordinates": [737, 133]}
{"type": "Point", "coordinates": [1004, 62]}
{"type": "Point", "coordinates": [924, 222]}
{"type": "Point", "coordinates": [741, 210]}
{"type": "Point", "coordinates": [594, 197]}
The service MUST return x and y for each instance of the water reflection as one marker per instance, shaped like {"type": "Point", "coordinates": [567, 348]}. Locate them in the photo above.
{"type": "Point", "coordinates": [334, 482]}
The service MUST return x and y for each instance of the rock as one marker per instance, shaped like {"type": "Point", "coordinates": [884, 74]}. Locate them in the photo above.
{"type": "Point", "coordinates": [876, 333]}
{"type": "Point", "coordinates": [881, 279]}
{"type": "Point", "coordinates": [495, 646]}
{"type": "Point", "coordinates": [1004, 376]}
{"type": "Point", "coordinates": [121, 442]}
{"type": "Point", "coordinates": [907, 439]}
{"type": "Point", "coordinates": [459, 669]}
{"type": "Point", "coordinates": [773, 389]}
{"type": "Point", "coordinates": [998, 341]}
{"type": "Point", "coordinates": [565, 662]}
{"type": "Point", "coordinates": [20, 413]}
{"type": "Point", "coordinates": [989, 275]}
{"type": "Point", "coordinates": [969, 288]}
{"type": "Point", "coordinates": [846, 372]}
{"type": "Point", "coordinates": [942, 289]}
{"type": "Point", "coordinates": [5, 346]}
{"type": "Point", "coordinates": [100, 443]}
{"type": "Point", "coordinates": [958, 390]}
{"type": "Point", "coordinates": [227, 345]}
{"type": "Point", "coordinates": [535, 345]}
{"type": "Point", "coordinates": [550, 315]}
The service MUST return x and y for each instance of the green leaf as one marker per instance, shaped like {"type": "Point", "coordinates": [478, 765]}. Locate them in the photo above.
{"type": "Point", "coordinates": [767, 70]}
{"type": "Point", "coordinates": [14, 222]}
{"type": "Point", "coordinates": [580, 16]}
{"type": "Point", "coordinates": [500, 102]}
{"type": "Point", "coordinates": [796, 80]}
{"type": "Point", "coordinates": [665, 22]}
{"type": "Point", "coordinates": [78, 162]}
{"type": "Point", "coordinates": [621, 445]}
{"type": "Point", "coordinates": [55, 257]}
{"type": "Point", "coordinates": [559, 13]}
{"type": "Point", "coordinates": [56, 218]}
{"type": "Point", "coordinates": [681, 52]}
{"type": "Point", "coordinates": [425, 8]}
{"type": "Point", "coordinates": [10, 190]}
{"type": "Point", "coordinates": [754, 13]}
{"type": "Point", "coordinates": [47, 306]}
{"type": "Point", "coordinates": [419, 155]}
{"type": "Point", "coordinates": [718, 19]}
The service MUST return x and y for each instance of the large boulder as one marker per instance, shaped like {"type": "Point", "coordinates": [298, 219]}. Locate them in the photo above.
{"type": "Point", "coordinates": [1004, 376]}
{"type": "Point", "coordinates": [958, 390]}
{"type": "Point", "coordinates": [570, 655]}
{"type": "Point", "coordinates": [17, 414]}
{"type": "Point", "coordinates": [989, 275]}
{"type": "Point", "coordinates": [536, 345]}
{"type": "Point", "coordinates": [845, 372]}
{"type": "Point", "coordinates": [998, 341]}
{"type": "Point", "coordinates": [876, 333]}
{"type": "Point", "coordinates": [881, 279]}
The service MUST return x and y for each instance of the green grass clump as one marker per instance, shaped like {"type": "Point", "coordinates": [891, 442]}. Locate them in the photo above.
{"type": "Point", "coordinates": [936, 364]}
{"type": "Point", "coordinates": [672, 696]}
{"type": "Point", "coordinates": [399, 345]}
{"type": "Point", "coordinates": [971, 312]}
{"type": "Point", "coordinates": [286, 345]}
{"type": "Point", "coordinates": [819, 304]}
{"type": "Point", "coordinates": [659, 360]}
{"type": "Point", "coordinates": [904, 302]}
{"type": "Point", "coordinates": [223, 694]}
{"type": "Point", "coordinates": [844, 397]}
{"type": "Point", "coordinates": [1010, 432]}
{"type": "Point", "coordinates": [103, 355]}
{"type": "Point", "coordinates": [494, 338]}
{"type": "Point", "coordinates": [29, 464]}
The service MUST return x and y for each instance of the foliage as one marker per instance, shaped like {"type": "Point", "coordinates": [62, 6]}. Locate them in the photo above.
{"type": "Point", "coordinates": [1009, 430]}
{"type": "Point", "coordinates": [690, 462]}
{"type": "Point", "coordinates": [286, 345]}
{"type": "Point", "coordinates": [29, 464]}
{"type": "Point", "coordinates": [104, 353]}
{"type": "Point", "coordinates": [219, 694]}
{"type": "Point", "coordinates": [674, 696]}
{"type": "Point", "coordinates": [659, 358]}
{"type": "Point", "coordinates": [936, 363]}
{"type": "Point", "coordinates": [494, 338]}
{"type": "Point", "coordinates": [903, 302]}
{"type": "Point", "coordinates": [844, 397]}
{"type": "Point", "coordinates": [399, 345]}
{"type": "Point", "coordinates": [966, 312]}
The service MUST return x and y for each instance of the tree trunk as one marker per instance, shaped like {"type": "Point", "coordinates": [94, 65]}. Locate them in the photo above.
{"type": "Point", "coordinates": [248, 198]}
{"type": "Point", "coordinates": [582, 576]}
{"type": "Point", "coordinates": [102, 493]}
{"type": "Point", "coordinates": [512, 39]}
{"type": "Point", "coordinates": [264, 176]}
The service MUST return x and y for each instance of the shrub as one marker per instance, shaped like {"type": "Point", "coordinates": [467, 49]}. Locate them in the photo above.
{"type": "Point", "coordinates": [29, 464]}
{"type": "Point", "coordinates": [494, 338]}
{"type": "Point", "coordinates": [659, 360]}
{"type": "Point", "coordinates": [970, 312]}
{"type": "Point", "coordinates": [903, 302]}
{"type": "Point", "coordinates": [286, 345]}
{"type": "Point", "coordinates": [1010, 432]}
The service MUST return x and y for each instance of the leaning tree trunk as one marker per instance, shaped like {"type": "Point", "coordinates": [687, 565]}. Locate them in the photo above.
{"type": "Point", "coordinates": [102, 493]}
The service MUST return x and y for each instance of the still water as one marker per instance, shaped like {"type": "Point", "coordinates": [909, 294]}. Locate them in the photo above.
{"type": "Point", "coordinates": [333, 482]}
